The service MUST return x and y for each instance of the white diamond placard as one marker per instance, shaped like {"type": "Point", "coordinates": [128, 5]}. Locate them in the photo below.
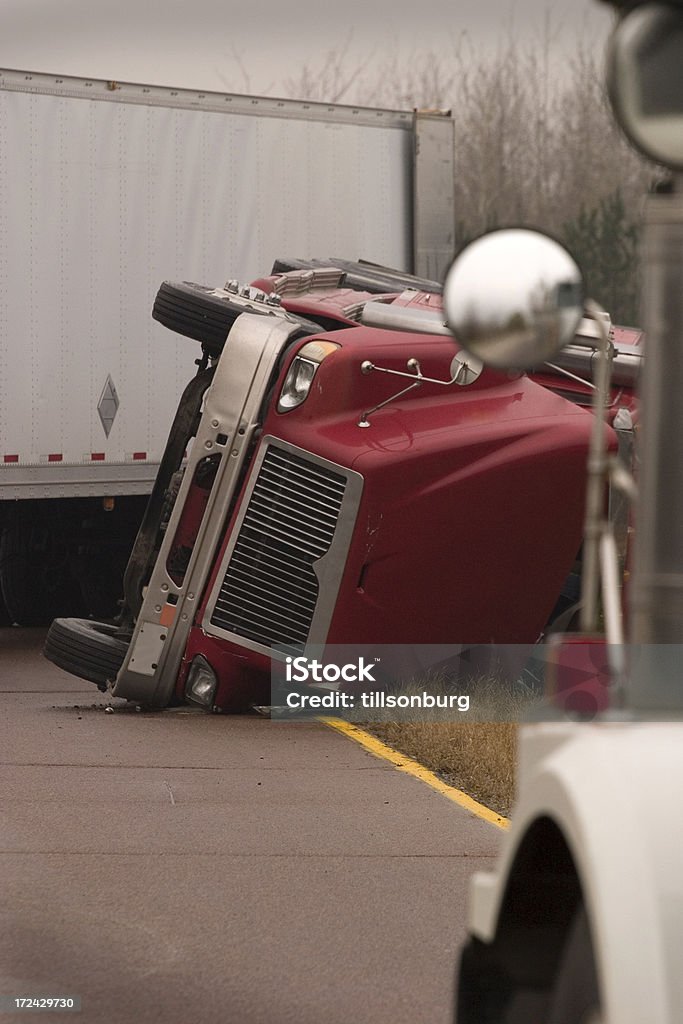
{"type": "Point", "coordinates": [108, 405]}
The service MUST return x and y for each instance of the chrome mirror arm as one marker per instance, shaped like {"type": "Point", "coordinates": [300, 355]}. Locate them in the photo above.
{"type": "Point", "coordinates": [416, 376]}
{"type": "Point", "coordinates": [572, 376]}
{"type": "Point", "coordinates": [597, 474]}
{"type": "Point", "coordinates": [600, 574]}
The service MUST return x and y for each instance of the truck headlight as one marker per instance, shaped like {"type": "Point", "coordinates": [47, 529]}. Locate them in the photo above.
{"type": "Point", "coordinates": [201, 683]}
{"type": "Point", "coordinates": [301, 373]}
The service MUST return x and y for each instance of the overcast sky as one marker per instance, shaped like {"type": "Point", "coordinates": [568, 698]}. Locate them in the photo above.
{"type": "Point", "coordinates": [253, 46]}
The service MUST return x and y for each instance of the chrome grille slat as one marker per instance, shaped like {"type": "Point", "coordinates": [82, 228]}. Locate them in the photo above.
{"type": "Point", "coordinates": [264, 581]}
{"type": "Point", "coordinates": [265, 615]}
{"type": "Point", "coordinates": [275, 569]}
{"type": "Point", "coordinates": [276, 594]}
{"type": "Point", "coordinates": [321, 509]}
{"type": "Point", "coordinates": [308, 502]}
{"type": "Point", "coordinates": [276, 510]}
{"type": "Point", "coordinates": [311, 469]}
{"type": "Point", "coordinates": [260, 529]}
{"type": "Point", "coordinates": [261, 598]}
{"type": "Point", "coordinates": [287, 561]}
{"type": "Point", "coordinates": [264, 611]}
{"type": "Point", "coordinates": [269, 591]}
{"type": "Point", "coordinates": [303, 515]}
{"type": "Point", "coordinates": [311, 495]}
{"type": "Point", "coordinates": [272, 513]}
{"type": "Point", "coordinates": [307, 480]}
{"type": "Point", "coordinates": [284, 644]}
{"type": "Point", "coordinates": [312, 492]}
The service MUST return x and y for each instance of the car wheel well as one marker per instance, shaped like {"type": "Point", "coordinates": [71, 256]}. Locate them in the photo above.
{"type": "Point", "coordinates": [511, 979]}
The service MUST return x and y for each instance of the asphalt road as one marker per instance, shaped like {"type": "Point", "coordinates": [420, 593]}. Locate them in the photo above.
{"type": "Point", "coordinates": [182, 867]}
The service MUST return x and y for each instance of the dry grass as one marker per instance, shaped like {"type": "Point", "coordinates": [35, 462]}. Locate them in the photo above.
{"type": "Point", "coordinates": [477, 757]}
{"type": "Point", "coordinates": [476, 753]}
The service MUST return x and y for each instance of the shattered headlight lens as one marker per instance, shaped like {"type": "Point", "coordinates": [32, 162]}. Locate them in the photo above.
{"type": "Point", "coordinates": [200, 687]}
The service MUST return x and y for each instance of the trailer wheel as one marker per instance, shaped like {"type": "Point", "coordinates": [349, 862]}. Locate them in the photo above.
{"type": "Point", "coordinates": [576, 994]}
{"type": "Point", "coordinates": [87, 649]}
{"type": "Point", "coordinates": [35, 577]}
{"type": "Point", "coordinates": [195, 312]}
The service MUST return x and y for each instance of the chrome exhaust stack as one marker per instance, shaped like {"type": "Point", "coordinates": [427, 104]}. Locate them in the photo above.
{"type": "Point", "coordinates": [656, 601]}
{"type": "Point", "coordinates": [579, 357]}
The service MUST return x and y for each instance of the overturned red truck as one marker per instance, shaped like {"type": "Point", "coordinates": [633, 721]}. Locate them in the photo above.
{"type": "Point", "coordinates": [338, 472]}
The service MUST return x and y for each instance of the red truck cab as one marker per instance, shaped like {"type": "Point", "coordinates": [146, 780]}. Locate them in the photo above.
{"type": "Point", "coordinates": [350, 478]}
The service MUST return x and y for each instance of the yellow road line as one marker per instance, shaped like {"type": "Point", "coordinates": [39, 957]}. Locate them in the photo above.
{"type": "Point", "coordinates": [418, 771]}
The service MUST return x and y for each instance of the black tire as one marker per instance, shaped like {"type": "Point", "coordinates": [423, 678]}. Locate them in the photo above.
{"type": "Point", "coordinates": [89, 650]}
{"type": "Point", "coordinates": [576, 993]}
{"type": "Point", "coordinates": [35, 577]}
{"type": "Point", "coordinates": [193, 311]}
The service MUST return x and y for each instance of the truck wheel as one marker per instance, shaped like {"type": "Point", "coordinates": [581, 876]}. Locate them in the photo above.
{"type": "Point", "coordinates": [35, 578]}
{"type": "Point", "coordinates": [89, 650]}
{"type": "Point", "coordinates": [576, 995]}
{"type": "Point", "coordinates": [193, 311]}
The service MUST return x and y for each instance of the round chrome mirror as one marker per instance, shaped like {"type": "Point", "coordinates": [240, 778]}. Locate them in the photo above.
{"type": "Point", "coordinates": [645, 82]}
{"type": "Point", "coordinates": [513, 298]}
{"type": "Point", "coordinates": [465, 369]}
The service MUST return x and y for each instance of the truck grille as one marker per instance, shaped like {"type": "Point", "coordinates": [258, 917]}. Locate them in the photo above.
{"type": "Point", "coordinates": [270, 590]}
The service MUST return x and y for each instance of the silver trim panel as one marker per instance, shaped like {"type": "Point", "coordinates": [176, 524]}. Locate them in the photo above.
{"type": "Point", "coordinates": [232, 103]}
{"type": "Point", "coordinates": [404, 318]}
{"type": "Point", "coordinates": [232, 407]}
{"type": "Point", "coordinates": [76, 480]}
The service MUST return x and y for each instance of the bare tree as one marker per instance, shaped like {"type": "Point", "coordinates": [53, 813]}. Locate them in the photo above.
{"type": "Point", "coordinates": [331, 80]}
{"type": "Point", "coordinates": [535, 140]}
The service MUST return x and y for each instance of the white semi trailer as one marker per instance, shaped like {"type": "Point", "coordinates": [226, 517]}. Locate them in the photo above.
{"type": "Point", "coordinates": [107, 189]}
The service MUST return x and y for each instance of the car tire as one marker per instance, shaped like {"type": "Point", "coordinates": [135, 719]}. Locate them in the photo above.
{"type": "Point", "coordinates": [576, 995]}
{"type": "Point", "coordinates": [194, 311]}
{"type": "Point", "coordinates": [90, 650]}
